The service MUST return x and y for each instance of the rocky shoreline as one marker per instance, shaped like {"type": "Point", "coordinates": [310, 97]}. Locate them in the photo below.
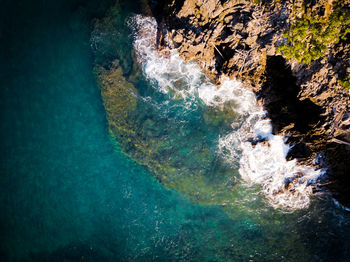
{"type": "Point", "coordinates": [306, 102]}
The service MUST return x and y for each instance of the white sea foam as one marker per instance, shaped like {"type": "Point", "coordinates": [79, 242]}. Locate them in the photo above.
{"type": "Point", "coordinates": [284, 183]}
{"type": "Point", "coordinates": [230, 90]}
{"type": "Point", "coordinates": [171, 74]}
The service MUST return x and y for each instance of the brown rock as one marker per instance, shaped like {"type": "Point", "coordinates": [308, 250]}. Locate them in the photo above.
{"type": "Point", "coordinates": [239, 39]}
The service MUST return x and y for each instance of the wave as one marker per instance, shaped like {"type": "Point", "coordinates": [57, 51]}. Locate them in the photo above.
{"type": "Point", "coordinates": [261, 156]}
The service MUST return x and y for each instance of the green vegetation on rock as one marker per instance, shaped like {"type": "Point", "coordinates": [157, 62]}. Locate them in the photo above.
{"type": "Point", "coordinates": [345, 82]}
{"type": "Point", "coordinates": [310, 35]}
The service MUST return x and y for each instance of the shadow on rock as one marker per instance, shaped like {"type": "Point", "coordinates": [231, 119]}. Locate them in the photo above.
{"type": "Point", "coordinates": [280, 94]}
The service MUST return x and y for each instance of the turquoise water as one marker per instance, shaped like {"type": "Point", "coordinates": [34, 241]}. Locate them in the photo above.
{"type": "Point", "coordinates": [68, 193]}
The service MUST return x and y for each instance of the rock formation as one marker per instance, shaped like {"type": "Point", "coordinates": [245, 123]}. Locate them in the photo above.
{"type": "Point", "coordinates": [240, 39]}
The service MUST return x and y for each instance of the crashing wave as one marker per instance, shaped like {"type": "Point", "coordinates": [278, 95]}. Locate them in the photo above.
{"type": "Point", "coordinates": [260, 154]}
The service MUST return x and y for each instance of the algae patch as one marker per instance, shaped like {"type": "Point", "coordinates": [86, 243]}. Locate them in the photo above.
{"type": "Point", "coordinates": [174, 155]}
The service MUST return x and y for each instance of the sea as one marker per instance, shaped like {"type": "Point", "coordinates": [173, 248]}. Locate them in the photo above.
{"type": "Point", "coordinates": [71, 190]}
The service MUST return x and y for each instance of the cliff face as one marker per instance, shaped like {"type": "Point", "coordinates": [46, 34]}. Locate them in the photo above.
{"type": "Point", "coordinates": [305, 101]}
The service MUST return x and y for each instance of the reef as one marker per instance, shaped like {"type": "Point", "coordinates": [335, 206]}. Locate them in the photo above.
{"type": "Point", "coordinates": [295, 57]}
{"type": "Point", "coordinates": [154, 140]}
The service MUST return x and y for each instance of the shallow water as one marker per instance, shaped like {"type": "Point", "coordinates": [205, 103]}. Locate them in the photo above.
{"type": "Point", "coordinates": [69, 193]}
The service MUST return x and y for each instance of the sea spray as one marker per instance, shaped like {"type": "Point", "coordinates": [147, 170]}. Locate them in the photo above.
{"type": "Point", "coordinates": [260, 154]}
{"type": "Point", "coordinates": [284, 183]}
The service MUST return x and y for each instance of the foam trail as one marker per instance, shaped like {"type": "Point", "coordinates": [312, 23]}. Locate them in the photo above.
{"type": "Point", "coordinates": [284, 183]}
{"type": "Point", "coordinates": [165, 74]}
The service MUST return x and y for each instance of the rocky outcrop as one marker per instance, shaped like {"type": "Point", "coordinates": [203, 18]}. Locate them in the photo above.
{"type": "Point", "coordinates": [239, 39]}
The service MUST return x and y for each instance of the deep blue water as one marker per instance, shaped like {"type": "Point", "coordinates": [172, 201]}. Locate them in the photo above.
{"type": "Point", "coordinates": [68, 193]}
